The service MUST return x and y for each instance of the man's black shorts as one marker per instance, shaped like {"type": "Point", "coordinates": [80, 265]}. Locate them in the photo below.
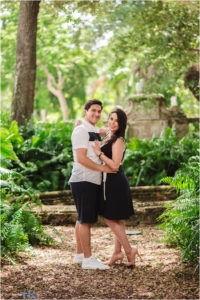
{"type": "Point", "coordinates": [86, 197]}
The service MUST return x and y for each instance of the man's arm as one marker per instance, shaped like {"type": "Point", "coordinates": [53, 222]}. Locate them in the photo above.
{"type": "Point", "coordinates": [102, 131]}
{"type": "Point", "coordinates": [82, 158]}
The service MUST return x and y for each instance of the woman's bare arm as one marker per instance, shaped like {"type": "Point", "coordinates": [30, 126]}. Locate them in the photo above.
{"type": "Point", "coordinates": [117, 154]}
{"type": "Point", "coordinates": [88, 163]}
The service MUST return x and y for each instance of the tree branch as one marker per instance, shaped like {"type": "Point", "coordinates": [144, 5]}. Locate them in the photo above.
{"type": "Point", "coordinates": [181, 48]}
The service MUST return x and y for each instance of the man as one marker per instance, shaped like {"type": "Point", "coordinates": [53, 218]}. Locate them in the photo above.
{"type": "Point", "coordinates": [85, 183]}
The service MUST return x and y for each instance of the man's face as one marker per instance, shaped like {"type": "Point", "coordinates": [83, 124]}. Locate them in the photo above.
{"type": "Point", "coordinates": [93, 114]}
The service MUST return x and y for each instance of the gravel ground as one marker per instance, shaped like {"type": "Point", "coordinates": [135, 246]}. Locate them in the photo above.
{"type": "Point", "coordinates": [51, 274]}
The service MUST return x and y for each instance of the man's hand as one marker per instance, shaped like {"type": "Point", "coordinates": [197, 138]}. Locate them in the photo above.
{"type": "Point", "coordinates": [106, 169]}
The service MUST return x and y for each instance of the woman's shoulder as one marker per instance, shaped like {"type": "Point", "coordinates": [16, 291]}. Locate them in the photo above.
{"type": "Point", "coordinates": [119, 141]}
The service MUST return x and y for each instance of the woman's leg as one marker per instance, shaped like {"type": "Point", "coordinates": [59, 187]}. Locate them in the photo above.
{"type": "Point", "coordinates": [121, 239]}
{"type": "Point", "coordinates": [117, 245]}
{"type": "Point", "coordinates": [117, 254]}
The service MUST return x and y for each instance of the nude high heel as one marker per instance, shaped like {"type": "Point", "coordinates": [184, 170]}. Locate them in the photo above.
{"type": "Point", "coordinates": [134, 252]}
{"type": "Point", "coordinates": [119, 256]}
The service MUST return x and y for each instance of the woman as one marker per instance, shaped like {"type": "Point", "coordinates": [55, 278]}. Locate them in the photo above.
{"type": "Point", "coordinates": [116, 204]}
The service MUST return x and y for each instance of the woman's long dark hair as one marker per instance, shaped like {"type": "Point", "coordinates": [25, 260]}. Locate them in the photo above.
{"type": "Point", "coordinates": [122, 122]}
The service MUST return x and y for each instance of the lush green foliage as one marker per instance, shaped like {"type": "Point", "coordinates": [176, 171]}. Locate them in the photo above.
{"type": "Point", "coordinates": [181, 219]}
{"type": "Point", "coordinates": [115, 40]}
{"type": "Point", "coordinates": [19, 227]}
{"type": "Point", "coordinates": [147, 162]}
{"type": "Point", "coordinates": [45, 154]}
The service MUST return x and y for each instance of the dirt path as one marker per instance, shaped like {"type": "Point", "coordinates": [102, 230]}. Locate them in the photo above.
{"type": "Point", "coordinates": [51, 275]}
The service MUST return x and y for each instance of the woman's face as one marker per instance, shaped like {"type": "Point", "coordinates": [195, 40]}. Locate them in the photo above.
{"type": "Point", "coordinates": [113, 123]}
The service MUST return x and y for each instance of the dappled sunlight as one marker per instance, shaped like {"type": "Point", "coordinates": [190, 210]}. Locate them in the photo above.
{"type": "Point", "coordinates": [52, 275]}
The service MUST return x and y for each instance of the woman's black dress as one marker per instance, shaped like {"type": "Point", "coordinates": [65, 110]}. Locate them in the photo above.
{"type": "Point", "coordinates": [116, 199]}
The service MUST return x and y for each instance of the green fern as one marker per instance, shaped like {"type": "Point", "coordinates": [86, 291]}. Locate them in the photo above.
{"type": "Point", "coordinates": [181, 218]}
{"type": "Point", "coordinates": [167, 180]}
{"type": "Point", "coordinates": [20, 229]}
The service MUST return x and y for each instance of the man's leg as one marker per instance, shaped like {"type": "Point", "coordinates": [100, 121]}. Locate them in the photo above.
{"type": "Point", "coordinates": [78, 241]}
{"type": "Point", "coordinates": [89, 261]}
{"type": "Point", "coordinates": [85, 239]}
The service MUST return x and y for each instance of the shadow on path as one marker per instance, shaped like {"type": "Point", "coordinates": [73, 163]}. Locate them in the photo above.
{"type": "Point", "coordinates": [51, 274]}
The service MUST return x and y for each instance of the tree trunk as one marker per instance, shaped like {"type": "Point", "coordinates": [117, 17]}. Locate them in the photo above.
{"type": "Point", "coordinates": [97, 84]}
{"type": "Point", "coordinates": [23, 94]}
{"type": "Point", "coordinates": [63, 104]}
{"type": "Point", "coordinates": [191, 80]}
{"type": "Point", "coordinates": [56, 89]}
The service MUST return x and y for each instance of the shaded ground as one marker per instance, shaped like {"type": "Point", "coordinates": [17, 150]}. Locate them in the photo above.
{"type": "Point", "coordinates": [51, 275]}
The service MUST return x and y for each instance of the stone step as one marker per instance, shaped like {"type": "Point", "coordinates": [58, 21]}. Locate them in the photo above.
{"type": "Point", "coordinates": [66, 214]}
{"type": "Point", "coordinates": [150, 203]}
{"type": "Point", "coordinates": [139, 194]}
{"type": "Point", "coordinates": [153, 193]}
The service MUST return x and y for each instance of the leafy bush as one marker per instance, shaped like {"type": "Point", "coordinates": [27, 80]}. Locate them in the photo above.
{"type": "Point", "coordinates": [19, 227]}
{"type": "Point", "coordinates": [181, 219]}
{"type": "Point", "coordinates": [46, 161]}
{"type": "Point", "coordinates": [147, 162]}
{"type": "Point", "coordinates": [45, 153]}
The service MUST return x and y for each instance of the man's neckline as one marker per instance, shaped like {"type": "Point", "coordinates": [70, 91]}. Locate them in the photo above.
{"type": "Point", "coordinates": [88, 124]}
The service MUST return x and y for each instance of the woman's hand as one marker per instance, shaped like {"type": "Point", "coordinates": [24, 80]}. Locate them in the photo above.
{"type": "Point", "coordinates": [96, 147]}
{"type": "Point", "coordinates": [78, 123]}
{"type": "Point", "coordinates": [103, 132]}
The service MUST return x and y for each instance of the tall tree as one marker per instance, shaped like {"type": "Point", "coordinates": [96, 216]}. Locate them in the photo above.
{"type": "Point", "coordinates": [24, 87]}
{"type": "Point", "coordinates": [56, 88]}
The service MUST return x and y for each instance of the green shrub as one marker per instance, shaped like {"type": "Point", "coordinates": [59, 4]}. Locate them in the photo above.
{"type": "Point", "coordinates": [45, 154]}
{"type": "Point", "coordinates": [147, 162]}
{"type": "Point", "coordinates": [181, 218]}
{"type": "Point", "coordinates": [5, 117]}
{"type": "Point", "coordinates": [20, 229]}
{"type": "Point", "coordinates": [46, 159]}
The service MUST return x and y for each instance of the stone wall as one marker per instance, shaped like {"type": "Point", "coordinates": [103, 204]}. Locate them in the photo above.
{"type": "Point", "coordinates": [148, 116]}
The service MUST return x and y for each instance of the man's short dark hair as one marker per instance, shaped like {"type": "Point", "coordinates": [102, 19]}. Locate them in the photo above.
{"type": "Point", "coordinates": [91, 102]}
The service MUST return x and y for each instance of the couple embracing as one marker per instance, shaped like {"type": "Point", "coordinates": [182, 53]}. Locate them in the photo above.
{"type": "Point", "coordinates": [99, 186]}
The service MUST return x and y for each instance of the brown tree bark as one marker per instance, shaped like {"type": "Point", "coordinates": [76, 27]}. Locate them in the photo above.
{"type": "Point", "coordinates": [24, 87]}
{"type": "Point", "coordinates": [191, 80]}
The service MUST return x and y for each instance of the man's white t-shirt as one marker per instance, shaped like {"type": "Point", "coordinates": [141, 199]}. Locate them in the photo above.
{"type": "Point", "coordinates": [83, 136]}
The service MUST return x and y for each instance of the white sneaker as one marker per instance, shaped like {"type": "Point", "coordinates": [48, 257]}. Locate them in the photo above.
{"type": "Point", "coordinates": [93, 264]}
{"type": "Point", "coordinates": [78, 258]}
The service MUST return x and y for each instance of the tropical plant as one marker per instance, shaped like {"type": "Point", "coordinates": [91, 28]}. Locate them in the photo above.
{"type": "Point", "coordinates": [45, 154]}
{"type": "Point", "coordinates": [20, 228]}
{"type": "Point", "coordinates": [147, 162]}
{"type": "Point", "coordinates": [181, 218]}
